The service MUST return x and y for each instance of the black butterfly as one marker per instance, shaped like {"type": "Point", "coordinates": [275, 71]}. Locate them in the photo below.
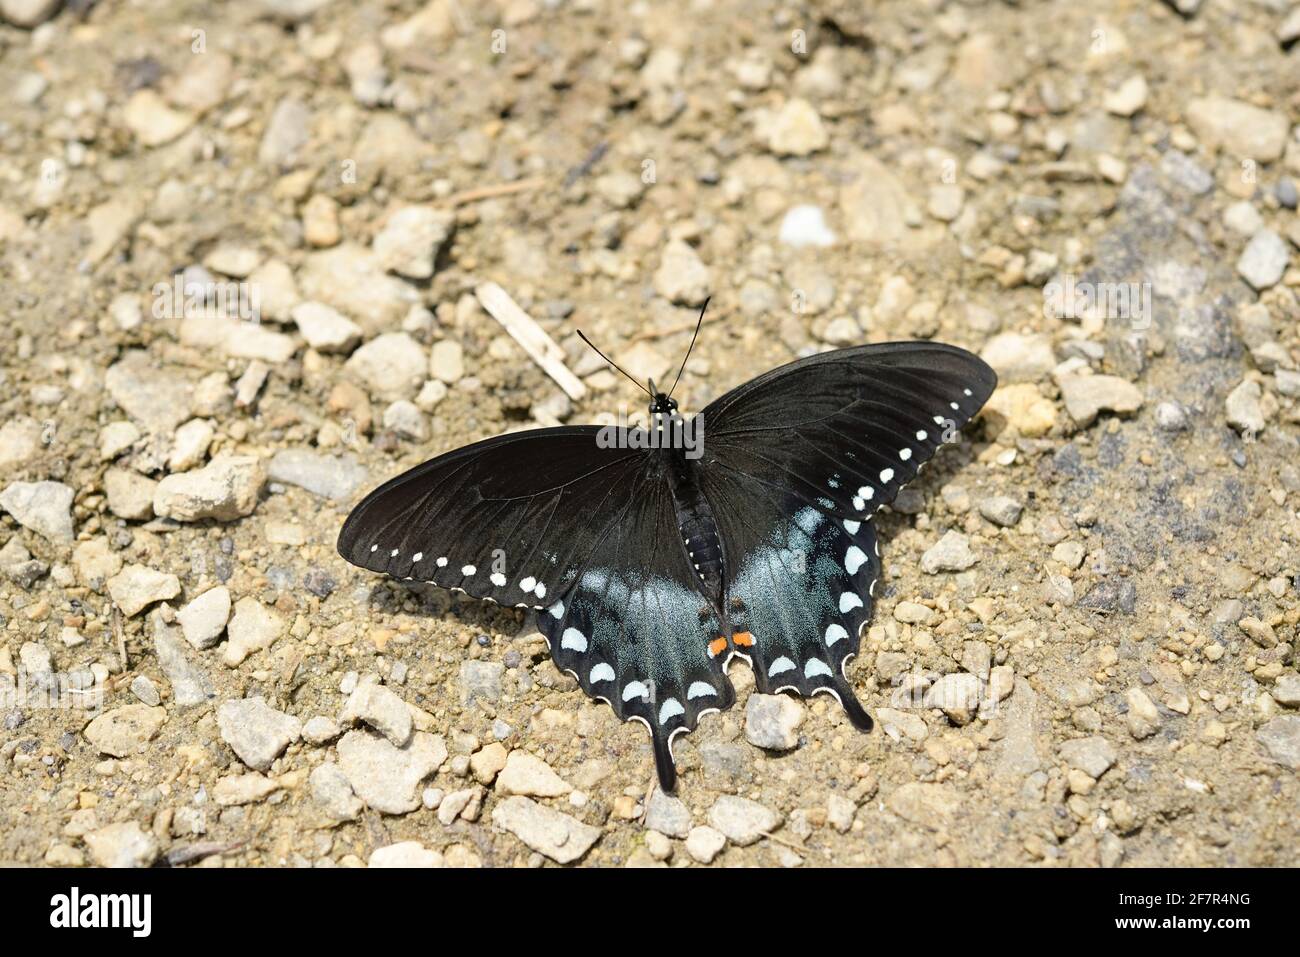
{"type": "Point", "coordinates": [649, 569]}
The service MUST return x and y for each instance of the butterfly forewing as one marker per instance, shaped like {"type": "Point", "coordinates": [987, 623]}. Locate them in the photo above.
{"type": "Point", "coordinates": [509, 519]}
{"type": "Point", "coordinates": [852, 426]}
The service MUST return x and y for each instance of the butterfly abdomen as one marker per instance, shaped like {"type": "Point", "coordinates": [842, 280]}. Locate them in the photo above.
{"type": "Point", "coordinates": [698, 529]}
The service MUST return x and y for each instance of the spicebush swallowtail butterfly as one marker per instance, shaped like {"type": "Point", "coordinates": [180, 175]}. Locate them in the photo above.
{"type": "Point", "coordinates": [650, 567]}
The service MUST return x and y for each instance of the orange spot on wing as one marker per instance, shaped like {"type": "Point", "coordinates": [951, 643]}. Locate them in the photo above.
{"type": "Point", "coordinates": [716, 646]}
{"type": "Point", "coordinates": [743, 638]}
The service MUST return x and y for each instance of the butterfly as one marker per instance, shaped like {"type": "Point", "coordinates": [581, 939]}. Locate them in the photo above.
{"type": "Point", "coordinates": [650, 562]}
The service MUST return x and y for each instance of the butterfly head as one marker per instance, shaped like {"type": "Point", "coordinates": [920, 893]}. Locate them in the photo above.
{"type": "Point", "coordinates": [661, 404]}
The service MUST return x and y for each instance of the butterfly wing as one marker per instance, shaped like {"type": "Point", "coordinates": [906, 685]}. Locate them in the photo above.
{"type": "Point", "coordinates": [796, 463]}
{"type": "Point", "coordinates": [550, 519]}
{"type": "Point", "coordinates": [800, 585]}
{"type": "Point", "coordinates": [510, 519]}
{"type": "Point", "coordinates": [635, 629]}
{"type": "Point", "coordinates": [851, 426]}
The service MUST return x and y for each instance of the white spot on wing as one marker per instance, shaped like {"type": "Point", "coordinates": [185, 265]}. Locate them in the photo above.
{"type": "Point", "coordinates": [815, 666]}
{"type": "Point", "coordinates": [573, 639]}
{"type": "Point", "coordinates": [670, 709]}
{"type": "Point", "coordinates": [602, 672]}
{"type": "Point", "coordinates": [853, 559]}
{"type": "Point", "coordinates": [921, 435]}
{"type": "Point", "coordinates": [835, 632]}
{"type": "Point", "coordinates": [904, 454]}
{"type": "Point", "coordinates": [540, 590]}
{"type": "Point", "coordinates": [468, 570]}
{"type": "Point", "coordinates": [635, 689]}
{"type": "Point", "coordinates": [849, 601]}
{"type": "Point", "coordinates": [498, 579]}
{"type": "Point", "coordinates": [700, 689]}
{"type": "Point", "coordinates": [852, 526]}
{"type": "Point", "coordinates": [417, 556]}
{"type": "Point", "coordinates": [887, 475]}
{"type": "Point", "coordinates": [528, 583]}
{"type": "Point", "coordinates": [557, 610]}
{"type": "Point", "coordinates": [780, 666]}
{"type": "Point", "coordinates": [441, 563]}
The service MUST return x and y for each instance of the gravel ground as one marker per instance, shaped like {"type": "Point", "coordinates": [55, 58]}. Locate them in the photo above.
{"type": "Point", "coordinates": [1084, 647]}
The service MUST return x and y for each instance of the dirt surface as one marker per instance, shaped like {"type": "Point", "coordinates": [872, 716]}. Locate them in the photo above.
{"type": "Point", "coordinates": [1092, 664]}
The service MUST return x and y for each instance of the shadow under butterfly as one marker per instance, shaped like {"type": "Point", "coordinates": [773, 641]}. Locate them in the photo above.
{"type": "Point", "coordinates": [651, 565]}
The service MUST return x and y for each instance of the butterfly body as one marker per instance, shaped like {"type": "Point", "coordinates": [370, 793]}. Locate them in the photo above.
{"type": "Point", "coordinates": [651, 565]}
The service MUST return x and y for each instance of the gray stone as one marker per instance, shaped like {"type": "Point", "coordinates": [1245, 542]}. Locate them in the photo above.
{"type": "Point", "coordinates": [385, 776]}
{"type": "Point", "coordinates": [667, 814]}
{"type": "Point", "coordinates": [772, 721]}
{"type": "Point", "coordinates": [191, 685]}
{"type": "Point", "coordinates": [1243, 408]}
{"type": "Point", "coordinates": [742, 821]}
{"type": "Point", "coordinates": [410, 240]}
{"type": "Point", "coordinates": [159, 400]}
{"type": "Point", "coordinates": [1171, 417]}
{"type": "Point", "coordinates": [481, 680]}
{"type": "Point", "coordinates": [1088, 395]}
{"type": "Point", "coordinates": [957, 695]}
{"type": "Point", "coordinates": [952, 553]}
{"type": "Point", "coordinates": [331, 790]}
{"type": "Point", "coordinates": [320, 730]}
{"type": "Point", "coordinates": [334, 477]}
{"type": "Point", "coordinates": [390, 366]}
{"type": "Point", "coordinates": [1018, 358]}
{"type": "Point", "coordinates": [562, 838]}
{"type": "Point", "coordinates": [404, 419]}
{"type": "Point", "coordinates": [286, 133]}
{"type": "Point", "coordinates": [204, 619]}
{"type": "Point", "coordinates": [224, 490]}
{"type": "Point", "coordinates": [405, 854]}
{"type": "Point", "coordinates": [234, 790]}
{"type": "Point", "coordinates": [1143, 718]}
{"type": "Point", "coordinates": [43, 507]}
{"type": "Point", "coordinates": [124, 732]}
{"type": "Point", "coordinates": [252, 628]}
{"type": "Point", "coordinates": [1286, 690]}
{"type": "Point", "coordinates": [145, 691]}
{"type": "Point", "coordinates": [380, 708]}
{"type": "Point", "coordinates": [704, 843]}
{"type": "Point", "coordinates": [1245, 131]}
{"type": "Point", "coordinates": [325, 328]}
{"type": "Point", "coordinates": [682, 277]}
{"type": "Point", "coordinates": [1093, 756]}
{"type": "Point", "coordinates": [135, 588]}
{"type": "Point", "coordinates": [255, 731]}
{"type": "Point", "coordinates": [1264, 260]}
{"type": "Point", "coordinates": [1001, 510]}
{"type": "Point", "coordinates": [130, 494]}
{"type": "Point", "coordinates": [529, 775]}
{"type": "Point", "coordinates": [1281, 739]}
{"type": "Point", "coordinates": [122, 845]}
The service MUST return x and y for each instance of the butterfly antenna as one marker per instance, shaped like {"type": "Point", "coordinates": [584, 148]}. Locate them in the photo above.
{"type": "Point", "coordinates": [614, 364]}
{"type": "Point", "coordinates": [690, 347]}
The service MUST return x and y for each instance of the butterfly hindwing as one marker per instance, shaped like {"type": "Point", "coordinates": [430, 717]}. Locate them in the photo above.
{"type": "Point", "coordinates": [800, 588]}
{"type": "Point", "coordinates": [635, 630]}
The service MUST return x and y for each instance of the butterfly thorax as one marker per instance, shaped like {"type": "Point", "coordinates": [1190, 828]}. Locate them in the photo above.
{"type": "Point", "coordinates": [696, 523]}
